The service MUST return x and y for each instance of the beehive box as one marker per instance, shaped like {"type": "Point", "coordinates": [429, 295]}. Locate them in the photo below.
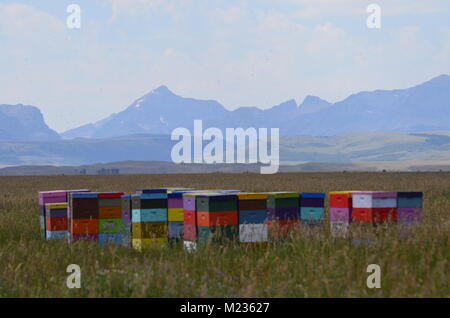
{"type": "Point", "coordinates": [282, 213]}
{"type": "Point", "coordinates": [149, 218]}
{"type": "Point", "coordinates": [110, 225]}
{"type": "Point", "coordinates": [312, 209]}
{"type": "Point", "coordinates": [210, 217]}
{"type": "Point", "coordinates": [252, 209]}
{"type": "Point", "coordinates": [340, 212]}
{"type": "Point", "coordinates": [384, 207]}
{"type": "Point", "coordinates": [409, 207]}
{"type": "Point", "coordinates": [56, 223]}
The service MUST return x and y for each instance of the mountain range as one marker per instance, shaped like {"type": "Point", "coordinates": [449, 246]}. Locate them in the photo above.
{"type": "Point", "coordinates": [401, 125]}
{"type": "Point", "coordinates": [423, 107]}
{"type": "Point", "coordinates": [22, 122]}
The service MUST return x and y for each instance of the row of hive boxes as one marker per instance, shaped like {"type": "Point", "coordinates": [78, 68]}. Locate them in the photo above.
{"type": "Point", "coordinates": [376, 206]}
{"type": "Point", "coordinates": [248, 217]}
{"type": "Point", "coordinates": [156, 216]}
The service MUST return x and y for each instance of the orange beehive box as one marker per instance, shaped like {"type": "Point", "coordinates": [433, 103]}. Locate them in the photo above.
{"type": "Point", "coordinates": [110, 212]}
{"type": "Point", "coordinates": [84, 226]}
{"type": "Point", "coordinates": [56, 223]}
{"type": "Point", "coordinates": [217, 218]}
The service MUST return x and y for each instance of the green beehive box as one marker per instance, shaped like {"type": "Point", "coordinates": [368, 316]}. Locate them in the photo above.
{"type": "Point", "coordinates": [283, 201]}
{"type": "Point", "coordinates": [218, 234]}
{"type": "Point", "coordinates": [110, 225]}
{"type": "Point", "coordinates": [213, 204]}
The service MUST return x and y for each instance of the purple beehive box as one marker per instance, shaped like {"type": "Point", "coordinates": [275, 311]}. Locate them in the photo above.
{"type": "Point", "coordinates": [409, 215]}
{"type": "Point", "coordinates": [189, 202]}
{"type": "Point", "coordinates": [80, 237]}
{"type": "Point", "coordinates": [175, 203]}
{"type": "Point", "coordinates": [312, 202]}
{"type": "Point", "coordinates": [283, 213]}
{"type": "Point", "coordinates": [340, 215]}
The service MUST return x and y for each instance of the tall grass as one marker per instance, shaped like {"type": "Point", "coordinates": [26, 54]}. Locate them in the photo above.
{"type": "Point", "coordinates": [307, 265]}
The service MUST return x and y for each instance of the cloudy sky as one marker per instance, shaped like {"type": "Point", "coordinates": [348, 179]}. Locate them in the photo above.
{"type": "Point", "coordinates": [239, 52]}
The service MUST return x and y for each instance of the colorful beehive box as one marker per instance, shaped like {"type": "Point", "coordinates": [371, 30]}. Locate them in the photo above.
{"type": "Point", "coordinates": [56, 223]}
{"type": "Point", "coordinates": [217, 217]}
{"type": "Point", "coordinates": [149, 218]}
{"type": "Point", "coordinates": [282, 213]}
{"type": "Point", "coordinates": [340, 212]}
{"type": "Point", "coordinates": [83, 216]}
{"type": "Point", "coordinates": [210, 217]}
{"type": "Point", "coordinates": [57, 196]}
{"type": "Point", "coordinates": [252, 210]}
{"type": "Point", "coordinates": [110, 221]}
{"type": "Point", "coordinates": [175, 214]}
{"type": "Point", "coordinates": [409, 207]}
{"type": "Point", "coordinates": [362, 207]}
{"type": "Point", "coordinates": [384, 206]}
{"type": "Point", "coordinates": [312, 208]}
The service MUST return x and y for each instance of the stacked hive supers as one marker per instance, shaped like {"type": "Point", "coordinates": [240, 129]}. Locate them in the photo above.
{"type": "Point", "coordinates": [209, 217]}
{"type": "Point", "coordinates": [312, 208]}
{"type": "Point", "coordinates": [96, 217]}
{"type": "Point", "coordinates": [409, 207]}
{"type": "Point", "coordinates": [282, 213]}
{"type": "Point", "coordinates": [149, 218]}
{"type": "Point", "coordinates": [175, 215]}
{"type": "Point", "coordinates": [110, 224]}
{"type": "Point", "coordinates": [384, 207]}
{"type": "Point", "coordinates": [340, 212]}
{"type": "Point", "coordinates": [57, 220]}
{"type": "Point", "coordinates": [217, 217]}
{"type": "Point", "coordinates": [252, 209]}
{"type": "Point", "coordinates": [83, 216]}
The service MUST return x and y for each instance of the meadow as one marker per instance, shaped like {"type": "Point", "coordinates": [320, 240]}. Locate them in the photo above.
{"type": "Point", "coordinates": [307, 265]}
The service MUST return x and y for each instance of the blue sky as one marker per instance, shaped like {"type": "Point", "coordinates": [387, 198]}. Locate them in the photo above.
{"type": "Point", "coordinates": [241, 53]}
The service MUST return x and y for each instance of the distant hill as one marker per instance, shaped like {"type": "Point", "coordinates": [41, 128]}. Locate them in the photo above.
{"type": "Point", "coordinates": [21, 122]}
{"type": "Point", "coordinates": [158, 167]}
{"type": "Point", "coordinates": [419, 108]}
{"type": "Point", "coordinates": [345, 148]}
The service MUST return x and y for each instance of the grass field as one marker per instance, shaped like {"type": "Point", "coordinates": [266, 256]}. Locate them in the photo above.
{"type": "Point", "coordinates": [305, 266]}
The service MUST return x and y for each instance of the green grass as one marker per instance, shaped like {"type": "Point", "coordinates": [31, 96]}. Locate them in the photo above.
{"type": "Point", "coordinates": [307, 265]}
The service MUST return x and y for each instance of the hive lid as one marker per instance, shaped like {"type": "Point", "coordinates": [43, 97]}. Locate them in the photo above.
{"type": "Point", "coordinates": [56, 205]}
{"type": "Point", "coordinates": [410, 194]}
{"type": "Point", "coordinates": [79, 195]}
{"type": "Point", "coordinates": [252, 196]}
{"type": "Point", "coordinates": [383, 194]}
{"type": "Point", "coordinates": [283, 195]}
{"type": "Point", "coordinates": [318, 195]}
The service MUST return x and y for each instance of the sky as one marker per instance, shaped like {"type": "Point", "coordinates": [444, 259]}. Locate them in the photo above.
{"type": "Point", "coordinates": [238, 52]}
